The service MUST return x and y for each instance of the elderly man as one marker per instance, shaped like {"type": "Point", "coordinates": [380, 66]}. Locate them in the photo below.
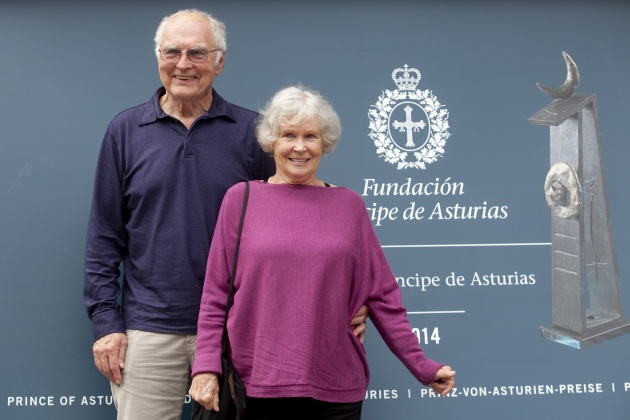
{"type": "Point", "coordinates": [162, 172]}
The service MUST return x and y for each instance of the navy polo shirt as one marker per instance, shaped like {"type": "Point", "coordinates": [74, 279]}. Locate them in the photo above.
{"type": "Point", "coordinates": [157, 194]}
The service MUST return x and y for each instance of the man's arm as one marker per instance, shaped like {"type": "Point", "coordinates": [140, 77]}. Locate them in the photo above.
{"type": "Point", "coordinates": [105, 248]}
{"type": "Point", "coordinates": [359, 320]}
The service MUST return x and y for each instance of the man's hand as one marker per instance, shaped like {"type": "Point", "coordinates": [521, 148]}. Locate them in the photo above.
{"type": "Point", "coordinates": [444, 381]}
{"type": "Point", "coordinates": [359, 321]}
{"type": "Point", "coordinates": [205, 390]}
{"type": "Point", "coordinates": [109, 355]}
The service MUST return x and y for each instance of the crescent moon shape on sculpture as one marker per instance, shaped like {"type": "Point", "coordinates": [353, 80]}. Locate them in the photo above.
{"type": "Point", "coordinates": [569, 86]}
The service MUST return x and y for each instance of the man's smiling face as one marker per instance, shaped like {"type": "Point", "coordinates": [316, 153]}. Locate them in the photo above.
{"type": "Point", "coordinates": [185, 81]}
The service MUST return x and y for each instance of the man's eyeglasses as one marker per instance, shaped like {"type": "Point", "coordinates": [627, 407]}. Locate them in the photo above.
{"type": "Point", "coordinates": [196, 56]}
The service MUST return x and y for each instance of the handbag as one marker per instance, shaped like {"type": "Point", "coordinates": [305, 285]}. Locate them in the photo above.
{"type": "Point", "coordinates": [231, 388]}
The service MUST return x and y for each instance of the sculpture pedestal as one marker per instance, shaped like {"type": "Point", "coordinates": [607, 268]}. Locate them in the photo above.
{"type": "Point", "coordinates": [612, 328]}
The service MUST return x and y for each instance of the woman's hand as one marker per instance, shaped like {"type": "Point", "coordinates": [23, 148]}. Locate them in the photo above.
{"type": "Point", "coordinates": [444, 381]}
{"type": "Point", "coordinates": [205, 390]}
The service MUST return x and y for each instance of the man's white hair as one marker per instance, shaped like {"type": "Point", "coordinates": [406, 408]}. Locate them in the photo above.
{"type": "Point", "coordinates": [216, 27]}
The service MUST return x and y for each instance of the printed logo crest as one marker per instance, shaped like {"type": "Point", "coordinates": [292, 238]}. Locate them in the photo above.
{"type": "Point", "coordinates": [409, 126]}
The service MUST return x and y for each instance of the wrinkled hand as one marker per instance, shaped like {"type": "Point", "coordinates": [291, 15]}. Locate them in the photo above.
{"type": "Point", "coordinates": [205, 390]}
{"type": "Point", "coordinates": [109, 355]}
{"type": "Point", "coordinates": [359, 321]}
{"type": "Point", "coordinates": [444, 381]}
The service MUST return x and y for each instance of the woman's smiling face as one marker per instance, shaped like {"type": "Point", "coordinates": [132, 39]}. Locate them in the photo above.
{"type": "Point", "coordinates": [297, 152]}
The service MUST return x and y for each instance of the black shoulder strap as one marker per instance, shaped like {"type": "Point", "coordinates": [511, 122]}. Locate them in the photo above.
{"type": "Point", "coordinates": [233, 274]}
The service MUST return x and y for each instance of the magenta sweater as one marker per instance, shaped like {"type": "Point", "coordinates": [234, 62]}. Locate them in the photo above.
{"type": "Point", "coordinates": [309, 259]}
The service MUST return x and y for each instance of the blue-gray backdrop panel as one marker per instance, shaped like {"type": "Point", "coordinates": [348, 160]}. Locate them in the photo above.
{"type": "Point", "coordinates": [68, 67]}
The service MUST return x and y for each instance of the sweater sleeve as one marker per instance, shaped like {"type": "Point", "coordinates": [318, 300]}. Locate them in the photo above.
{"type": "Point", "coordinates": [106, 242]}
{"type": "Point", "coordinates": [386, 308]}
{"type": "Point", "coordinates": [216, 284]}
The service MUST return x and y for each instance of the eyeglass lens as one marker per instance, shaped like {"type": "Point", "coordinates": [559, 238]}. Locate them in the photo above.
{"type": "Point", "coordinates": [172, 55]}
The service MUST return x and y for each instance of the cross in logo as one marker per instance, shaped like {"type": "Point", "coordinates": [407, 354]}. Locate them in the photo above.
{"type": "Point", "coordinates": [409, 126]}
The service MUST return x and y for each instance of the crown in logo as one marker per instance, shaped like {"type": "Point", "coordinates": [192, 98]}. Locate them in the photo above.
{"type": "Point", "coordinates": [406, 81]}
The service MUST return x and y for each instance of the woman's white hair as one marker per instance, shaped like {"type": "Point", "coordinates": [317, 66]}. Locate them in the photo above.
{"type": "Point", "coordinates": [216, 27]}
{"type": "Point", "coordinates": [295, 105]}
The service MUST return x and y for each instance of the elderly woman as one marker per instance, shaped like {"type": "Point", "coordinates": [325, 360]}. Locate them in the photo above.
{"type": "Point", "coordinates": [308, 260]}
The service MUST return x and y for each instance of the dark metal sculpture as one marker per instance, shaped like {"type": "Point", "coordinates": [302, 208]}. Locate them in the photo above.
{"type": "Point", "coordinates": [569, 86]}
{"type": "Point", "coordinates": [586, 302]}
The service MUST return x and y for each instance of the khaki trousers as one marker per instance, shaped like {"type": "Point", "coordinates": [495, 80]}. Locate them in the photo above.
{"type": "Point", "coordinates": [156, 377]}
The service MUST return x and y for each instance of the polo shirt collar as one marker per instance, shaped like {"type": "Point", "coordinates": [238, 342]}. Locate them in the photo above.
{"type": "Point", "coordinates": [153, 111]}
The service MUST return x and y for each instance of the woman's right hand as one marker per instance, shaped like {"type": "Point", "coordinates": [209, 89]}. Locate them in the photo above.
{"type": "Point", "coordinates": [444, 381]}
{"type": "Point", "coordinates": [205, 390]}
